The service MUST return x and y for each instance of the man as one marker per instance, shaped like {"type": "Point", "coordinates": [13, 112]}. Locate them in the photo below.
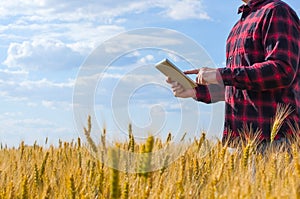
{"type": "Point", "coordinates": [262, 71]}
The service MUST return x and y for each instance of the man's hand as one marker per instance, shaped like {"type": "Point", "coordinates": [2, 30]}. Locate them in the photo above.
{"type": "Point", "coordinates": [179, 91]}
{"type": "Point", "coordinates": [205, 76]}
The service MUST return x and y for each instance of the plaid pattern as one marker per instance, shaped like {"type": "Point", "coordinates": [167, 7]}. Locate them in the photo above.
{"type": "Point", "coordinates": [262, 69]}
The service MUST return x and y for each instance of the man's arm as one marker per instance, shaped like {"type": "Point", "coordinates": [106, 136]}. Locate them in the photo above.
{"type": "Point", "coordinates": [281, 37]}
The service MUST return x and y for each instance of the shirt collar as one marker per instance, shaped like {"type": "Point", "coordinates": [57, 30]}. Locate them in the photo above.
{"type": "Point", "coordinates": [250, 5]}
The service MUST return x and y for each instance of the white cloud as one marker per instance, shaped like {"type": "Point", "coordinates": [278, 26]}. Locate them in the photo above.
{"type": "Point", "coordinates": [27, 122]}
{"type": "Point", "coordinates": [48, 104]}
{"type": "Point", "coordinates": [136, 80]}
{"type": "Point", "coordinates": [187, 9]}
{"type": "Point", "coordinates": [104, 10]}
{"type": "Point", "coordinates": [10, 76]}
{"type": "Point", "coordinates": [33, 92]}
{"type": "Point", "coordinates": [14, 129]}
{"type": "Point", "coordinates": [174, 9]}
{"type": "Point", "coordinates": [12, 114]}
{"type": "Point", "coordinates": [44, 83]}
{"type": "Point", "coordinates": [48, 55]}
{"type": "Point", "coordinates": [57, 105]}
{"type": "Point", "coordinates": [8, 96]}
{"type": "Point", "coordinates": [146, 59]}
{"type": "Point", "coordinates": [46, 30]}
{"type": "Point", "coordinates": [142, 37]}
{"type": "Point", "coordinates": [34, 122]}
{"type": "Point", "coordinates": [32, 104]}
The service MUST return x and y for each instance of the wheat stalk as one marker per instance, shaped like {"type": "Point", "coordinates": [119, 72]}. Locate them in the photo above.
{"type": "Point", "coordinates": [24, 193]}
{"type": "Point", "coordinates": [72, 188]}
{"type": "Point", "coordinates": [131, 139]}
{"type": "Point", "coordinates": [114, 176]}
{"type": "Point", "coordinates": [87, 133]}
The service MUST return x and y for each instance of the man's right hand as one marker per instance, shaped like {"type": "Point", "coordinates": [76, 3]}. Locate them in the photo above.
{"type": "Point", "coordinates": [179, 91]}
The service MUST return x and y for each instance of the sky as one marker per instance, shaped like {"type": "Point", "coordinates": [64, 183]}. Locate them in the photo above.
{"type": "Point", "coordinates": [47, 47]}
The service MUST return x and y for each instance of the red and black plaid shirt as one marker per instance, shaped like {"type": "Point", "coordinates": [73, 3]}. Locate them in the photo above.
{"type": "Point", "coordinates": [262, 69]}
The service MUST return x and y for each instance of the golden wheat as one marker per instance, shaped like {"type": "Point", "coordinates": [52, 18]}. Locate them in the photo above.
{"type": "Point", "coordinates": [205, 170]}
{"type": "Point", "coordinates": [282, 112]}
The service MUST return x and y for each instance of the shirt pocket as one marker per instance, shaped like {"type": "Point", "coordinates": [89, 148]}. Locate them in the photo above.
{"type": "Point", "coordinates": [250, 39]}
{"type": "Point", "coordinates": [253, 47]}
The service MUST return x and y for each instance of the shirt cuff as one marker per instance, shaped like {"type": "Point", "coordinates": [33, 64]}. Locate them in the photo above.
{"type": "Point", "coordinates": [225, 76]}
{"type": "Point", "coordinates": [202, 94]}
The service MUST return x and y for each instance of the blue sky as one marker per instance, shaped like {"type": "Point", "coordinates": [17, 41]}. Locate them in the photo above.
{"type": "Point", "coordinates": [44, 44]}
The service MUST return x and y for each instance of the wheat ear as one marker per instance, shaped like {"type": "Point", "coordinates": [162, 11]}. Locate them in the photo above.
{"type": "Point", "coordinates": [282, 112]}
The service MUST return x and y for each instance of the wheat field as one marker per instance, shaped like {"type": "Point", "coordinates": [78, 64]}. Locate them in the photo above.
{"type": "Point", "coordinates": [70, 171]}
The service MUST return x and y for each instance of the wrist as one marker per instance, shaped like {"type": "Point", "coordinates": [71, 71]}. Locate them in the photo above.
{"type": "Point", "coordinates": [194, 93]}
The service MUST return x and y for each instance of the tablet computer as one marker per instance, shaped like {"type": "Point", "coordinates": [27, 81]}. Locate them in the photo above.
{"type": "Point", "coordinates": [170, 70]}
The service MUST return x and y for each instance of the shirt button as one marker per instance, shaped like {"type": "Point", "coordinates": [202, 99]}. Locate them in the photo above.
{"type": "Point", "coordinates": [243, 19]}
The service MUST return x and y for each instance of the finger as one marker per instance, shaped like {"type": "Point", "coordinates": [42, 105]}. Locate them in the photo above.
{"type": "Point", "coordinates": [200, 76]}
{"type": "Point", "coordinates": [179, 90]}
{"type": "Point", "coordinates": [194, 71]}
{"type": "Point", "coordinates": [175, 84]}
{"type": "Point", "coordinates": [169, 80]}
{"type": "Point", "coordinates": [199, 79]}
{"type": "Point", "coordinates": [176, 87]}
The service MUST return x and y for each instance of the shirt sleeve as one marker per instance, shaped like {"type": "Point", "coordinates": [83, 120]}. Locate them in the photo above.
{"type": "Point", "coordinates": [281, 43]}
{"type": "Point", "coordinates": [210, 94]}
